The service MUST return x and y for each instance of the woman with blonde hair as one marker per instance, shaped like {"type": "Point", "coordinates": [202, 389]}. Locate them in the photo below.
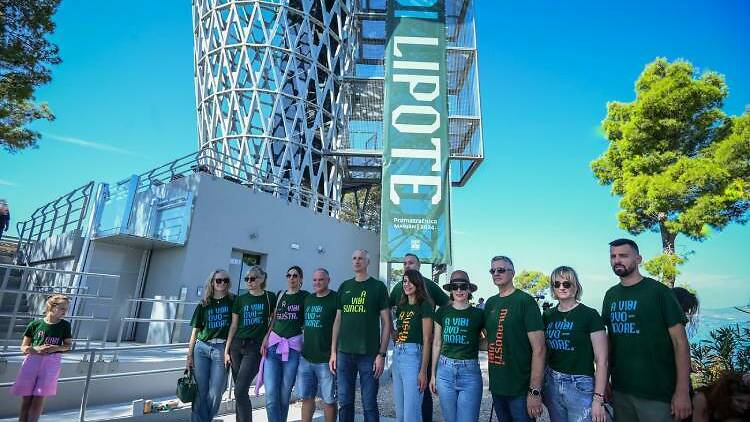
{"type": "Point", "coordinates": [43, 342]}
{"type": "Point", "coordinates": [251, 313]}
{"type": "Point", "coordinates": [575, 336]}
{"type": "Point", "coordinates": [210, 323]}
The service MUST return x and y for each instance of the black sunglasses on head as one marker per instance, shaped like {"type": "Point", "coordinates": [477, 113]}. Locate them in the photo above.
{"type": "Point", "coordinates": [564, 284]}
{"type": "Point", "coordinates": [460, 286]}
{"type": "Point", "coordinates": [251, 279]}
{"type": "Point", "coordinates": [221, 280]}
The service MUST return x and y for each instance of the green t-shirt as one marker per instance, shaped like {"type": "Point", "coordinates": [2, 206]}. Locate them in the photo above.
{"type": "Point", "coordinates": [213, 319]}
{"type": "Point", "coordinates": [568, 337]}
{"type": "Point", "coordinates": [409, 322]}
{"type": "Point", "coordinates": [641, 358]}
{"type": "Point", "coordinates": [289, 315]}
{"type": "Point", "coordinates": [461, 329]}
{"type": "Point", "coordinates": [438, 295]}
{"type": "Point", "coordinates": [360, 303]}
{"type": "Point", "coordinates": [509, 320]}
{"type": "Point", "coordinates": [42, 333]}
{"type": "Point", "coordinates": [320, 312]}
{"type": "Point", "coordinates": [254, 313]}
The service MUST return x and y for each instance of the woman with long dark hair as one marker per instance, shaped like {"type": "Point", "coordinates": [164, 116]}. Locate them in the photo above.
{"type": "Point", "coordinates": [210, 324]}
{"type": "Point", "coordinates": [411, 353]}
{"type": "Point", "coordinates": [282, 347]}
{"type": "Point", "coordinates": [727, 400]}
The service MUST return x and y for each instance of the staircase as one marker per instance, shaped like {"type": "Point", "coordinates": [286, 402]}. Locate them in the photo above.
{"type": "Point", "coordinates": [8, 247]}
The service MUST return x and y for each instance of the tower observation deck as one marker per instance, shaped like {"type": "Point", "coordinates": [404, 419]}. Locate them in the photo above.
{"type": "Point", "coordinates": [294, 90]}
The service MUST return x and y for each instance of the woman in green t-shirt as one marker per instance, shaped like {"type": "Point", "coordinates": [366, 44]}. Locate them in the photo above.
{"type": "Point", "coordinates": [573, 387]}
{"type": "Point", "coordinates": [282, 347]}
{"type": "Point", "coordinates": [251, 313]}
{"type": "Point", "coordinates": [411, 353]}
{"type": "Point", "coordinates": [456, 376]}
{"type": "Point", "coordinates": [210, 324]}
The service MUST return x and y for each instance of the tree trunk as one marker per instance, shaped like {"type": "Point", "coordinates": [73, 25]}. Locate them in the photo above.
{"type": "Point", "coordinates": [667, 246]}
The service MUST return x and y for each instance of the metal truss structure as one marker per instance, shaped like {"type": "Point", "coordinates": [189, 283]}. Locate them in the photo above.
{"type": "Point", "coordinates": [293, 90]}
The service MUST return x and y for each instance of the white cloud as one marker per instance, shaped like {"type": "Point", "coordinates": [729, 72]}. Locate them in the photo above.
{"type": "Point", "coordinates": [6, 183]}
{"type": "Point", "coordinates": [94, 145]}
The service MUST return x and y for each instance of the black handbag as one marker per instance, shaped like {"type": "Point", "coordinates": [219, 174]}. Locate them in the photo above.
{"type": "Point", "coordinates": [186, 387]}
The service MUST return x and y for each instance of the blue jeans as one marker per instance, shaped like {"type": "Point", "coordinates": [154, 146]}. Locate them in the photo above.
{"type": "Point", "coordinates": [568, 397]}
{"type": "Point", "coordinates": [279, 377]}
{"type": "Point", "coordinates": [313, 377]}
{"type": "Point", "coordinates": [211, 377]}
{"type": "Point", "coordinates": [511, 409]}
{"type": "Point", "coordinates": [407, 361]}
{"type": "Point", "coordinates": [348, 365]}
{"type": "Point", "coordinates": [459, 387]}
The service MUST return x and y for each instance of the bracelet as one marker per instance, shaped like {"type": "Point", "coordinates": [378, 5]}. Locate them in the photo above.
{"type": "Point", "coordinates": [598, 396]}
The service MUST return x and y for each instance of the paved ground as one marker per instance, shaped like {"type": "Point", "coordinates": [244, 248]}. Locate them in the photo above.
{"type": "Point", "coordinates": [385, 403]}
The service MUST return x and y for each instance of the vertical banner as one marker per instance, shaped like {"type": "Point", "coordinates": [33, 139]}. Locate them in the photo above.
{"type": "Point", "coordinates": [415, 210]}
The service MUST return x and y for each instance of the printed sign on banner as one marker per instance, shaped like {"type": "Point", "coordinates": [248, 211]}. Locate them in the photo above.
{"type": "Point", "coordinates": [415, 202]}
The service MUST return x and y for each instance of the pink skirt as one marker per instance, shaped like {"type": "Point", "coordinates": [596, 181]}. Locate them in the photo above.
{"type": "Point", "coordinates": [38, 376]}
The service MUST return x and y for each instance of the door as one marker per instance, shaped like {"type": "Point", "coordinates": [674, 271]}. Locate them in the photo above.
{"type": "Point", "coordinates": [239, 265]}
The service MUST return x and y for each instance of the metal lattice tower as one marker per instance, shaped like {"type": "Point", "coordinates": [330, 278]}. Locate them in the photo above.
{"type": "Point", "coordinates": [268, 78]}
{"type": "Point", "coordinates": [293, 90]}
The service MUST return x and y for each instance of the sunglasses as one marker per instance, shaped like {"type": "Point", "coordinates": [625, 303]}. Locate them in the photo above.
{"type": "Point", "coordinates": [292, 276]}
{"type": "Point", "coordinates": [499, 270]}
{"type": "Point", "coordinates": [251, 279]}
{"type": "Point", "coordinates": [221, 280]}
{"type": "Point", "coordinates": [460, 286]}
{"type": "Point", "coordinates": [564, 284]}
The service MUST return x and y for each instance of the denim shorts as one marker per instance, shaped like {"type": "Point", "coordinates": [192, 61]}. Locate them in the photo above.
{"type": "Point", "coordinates": [316, 377]}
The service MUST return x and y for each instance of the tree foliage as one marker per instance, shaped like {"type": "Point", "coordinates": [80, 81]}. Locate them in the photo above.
{"type": "Point", "coordinates": [362, 207]}
{"type": "Point", "coordinates": [664, 266]}
{"type": "Point", "coordinates": [532, 282]}
{"type": "Point", "coordinates": [728, 351]}
{"type": "Point", "coordinates": [25, 57]}
{"type": "Point", "coordinates": [678, 162]}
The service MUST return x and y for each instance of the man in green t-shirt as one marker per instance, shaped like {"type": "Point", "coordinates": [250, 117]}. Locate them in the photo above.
{"type": "Point", "coordinates": [360, 339]}
{"type": "Point", "coordinates": [516, 349]}
{"type": "Point", "coordinates": [314, 373]}
{"type": "Point", "coordinates": [649, 358]}
{"type": "Point", "coordinates": [439, 298]}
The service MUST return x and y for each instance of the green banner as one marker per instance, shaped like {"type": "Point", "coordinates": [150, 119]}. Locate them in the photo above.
{"type": "Point", "coordinates": [415, 216]}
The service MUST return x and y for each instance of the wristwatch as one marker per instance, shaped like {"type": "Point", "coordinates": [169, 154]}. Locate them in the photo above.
{"type": "Point", "coordinates": [383, 354]}
{"type": "Point", "coordinates": [535, 391]}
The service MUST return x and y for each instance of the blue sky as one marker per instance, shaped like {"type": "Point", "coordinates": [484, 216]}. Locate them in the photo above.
{"type": "Point", "coordinates": [125, 102]}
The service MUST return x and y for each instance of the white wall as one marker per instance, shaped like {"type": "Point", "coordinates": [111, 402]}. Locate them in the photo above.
{"type": "Point", "coordinates": [225, 215]}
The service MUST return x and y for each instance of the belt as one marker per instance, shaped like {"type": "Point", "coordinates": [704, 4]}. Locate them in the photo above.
{"type": "Point", "coordinates": [216, 341]}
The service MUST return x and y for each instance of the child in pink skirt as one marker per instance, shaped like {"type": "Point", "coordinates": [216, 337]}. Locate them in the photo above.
{"type": "Point", "coordinates": [43, 342]}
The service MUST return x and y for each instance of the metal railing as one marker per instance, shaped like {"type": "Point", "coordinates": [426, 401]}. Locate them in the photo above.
{"type": "Point", "coordinates": [91, 354]}
{"type": "Point", "coordinates": [64, 214]}
{"type": "Point", "coordinates": [134, 304]}
{"type": "Point", "coordinates": [35, 284]}
{"type": "Point", "coordinates": [238, 171]}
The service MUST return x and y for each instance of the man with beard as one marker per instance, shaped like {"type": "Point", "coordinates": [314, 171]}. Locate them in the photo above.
{"type": "Point", "coordinates": [649, 355]}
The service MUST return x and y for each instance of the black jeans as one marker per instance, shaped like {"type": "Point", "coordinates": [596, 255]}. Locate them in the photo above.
{"type": "Point", "coordinates": [245, 354]}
